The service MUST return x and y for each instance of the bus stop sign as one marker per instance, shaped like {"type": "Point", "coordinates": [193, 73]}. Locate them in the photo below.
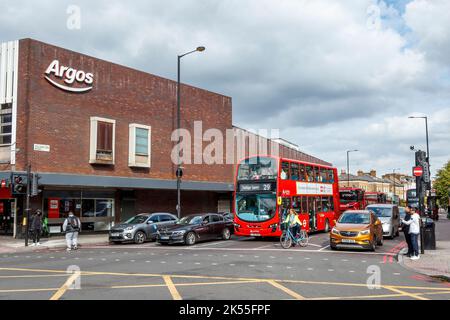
{"type": "Point", "coordinates": [418, 171]}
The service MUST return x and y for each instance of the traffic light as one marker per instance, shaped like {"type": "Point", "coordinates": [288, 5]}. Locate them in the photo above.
{"type": "Point", "coordinates": [35, 184]}
{"type": "Point", "coordinates": [19, 185]}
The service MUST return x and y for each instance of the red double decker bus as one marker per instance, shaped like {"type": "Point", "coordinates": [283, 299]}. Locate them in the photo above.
{"type": "Point", "coordinates": [375, 198]}
{"type": "Point", "coordinates": [267, 187]}
{"type": "Point", "coordinates": [352, 199]}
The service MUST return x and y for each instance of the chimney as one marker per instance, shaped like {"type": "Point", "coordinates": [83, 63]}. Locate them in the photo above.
{"type": "Point", "coordinates": [373, 173]}
{"type": "Point", "coordinates": [360, 173]}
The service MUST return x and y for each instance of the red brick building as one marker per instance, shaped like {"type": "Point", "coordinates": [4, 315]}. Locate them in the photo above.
{"type": "Point", "coordinates": [99, 135]}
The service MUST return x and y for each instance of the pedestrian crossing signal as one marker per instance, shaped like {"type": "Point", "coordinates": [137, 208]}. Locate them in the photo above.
{"type": "Point", "coordinates": [19, 186]}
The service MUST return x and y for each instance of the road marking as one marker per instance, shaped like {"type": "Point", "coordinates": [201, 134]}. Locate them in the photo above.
{"type": "Point", "coordinates": [179, 262]}
{"type": "Point", "coordinates": [163, 262]}
{"type": "Point", "coordinates": [232, 265]}
{"type": "Point", "coordinates": [27, 290]}
{"type": "Point", "coordinates": [172, 289]}
{"type": "Point", "coordinates": [349, 284]}
{"type": "Point", "coordinates": [288, 291]}
{"type": "Point", "coordinates": [324, 248]}
{"type": "Point", "coordinates": [412, 295]}
{"type": "Point", "coordinates": [148, 261]}
{"type": "Point", "coordinates": [252, 266]}
{"type": "Point", "coordinates": [198, 263]}
{"type": "Point", "coordinates": [330, 270]}
{"type": "Point", "coordinates": [66, 286]}
{"type": "Point", "coordinates": [269, 267]}
{"type": "Point", "coordinates": [310, 269]}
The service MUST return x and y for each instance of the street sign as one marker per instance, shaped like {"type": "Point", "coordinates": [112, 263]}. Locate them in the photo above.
{"type": "Point", "coordinates": [417, 171]}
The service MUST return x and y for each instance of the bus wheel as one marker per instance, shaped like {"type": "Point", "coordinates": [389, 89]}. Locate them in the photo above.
{"type": "Point", "coordinates": [327, 226]}
{"type": "Point", "coordinates": [286, 241]}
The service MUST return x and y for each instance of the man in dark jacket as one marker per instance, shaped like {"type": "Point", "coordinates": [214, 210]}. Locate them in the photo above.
{"type": "Point", "coordinates": [405, 229]}
{"type": "Point", "coordinates": [36, 227]}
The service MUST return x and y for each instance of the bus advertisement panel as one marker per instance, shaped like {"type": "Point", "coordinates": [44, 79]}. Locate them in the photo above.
{"type": "Point", "coordinates": [266, 188]}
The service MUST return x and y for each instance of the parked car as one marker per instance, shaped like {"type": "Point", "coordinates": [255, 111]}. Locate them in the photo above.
{"type": "Point", "coordinates": [141, 228]}
{"type": "Point", "coordinates": [359, 229]}
{"type": "Point", "coordinates": [194, 228]}
{"type": "Point", "coordinates": [390, 218]}
{"type": "Point", "coordinates": [227, 215]}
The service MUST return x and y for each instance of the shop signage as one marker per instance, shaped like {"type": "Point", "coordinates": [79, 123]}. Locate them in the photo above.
{"type": "Point", "coordinates": [42, 147]}
{"type": "Point", "coordinates": [70, 77]}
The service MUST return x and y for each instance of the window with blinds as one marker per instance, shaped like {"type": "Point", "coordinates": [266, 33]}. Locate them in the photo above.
{"type": "Point", "coordinates": [102, 141]}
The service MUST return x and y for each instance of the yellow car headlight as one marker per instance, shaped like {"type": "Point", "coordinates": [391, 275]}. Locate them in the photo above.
{"type": "Point", "coordinates": [335, 231]}
{"type": "Point", "coordinates": [365, 232]}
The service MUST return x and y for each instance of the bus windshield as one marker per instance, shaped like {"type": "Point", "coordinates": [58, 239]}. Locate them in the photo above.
{"type": "Point", "coordinates": [258, 168]}
{"type": "Point", "coordinates": [256, 207]}
{"type": "Point", "coordinates": [348, 196]}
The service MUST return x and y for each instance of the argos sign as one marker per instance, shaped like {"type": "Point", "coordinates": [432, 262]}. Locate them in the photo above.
{"type": "Point", "coordinates": [70, 76]}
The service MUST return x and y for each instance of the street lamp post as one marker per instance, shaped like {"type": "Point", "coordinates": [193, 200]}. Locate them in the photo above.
{"type": "Point", "coordinates": [348, 166]}
{"type": "Point", "coordinates": [179, 172]}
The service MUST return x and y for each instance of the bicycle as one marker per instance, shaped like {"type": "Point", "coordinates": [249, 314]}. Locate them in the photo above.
{"type": "Point", "coordinates": [287, 238]}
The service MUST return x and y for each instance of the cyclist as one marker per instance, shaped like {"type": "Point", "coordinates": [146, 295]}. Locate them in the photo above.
{"type": "Point", "coordinates": [293, 223]}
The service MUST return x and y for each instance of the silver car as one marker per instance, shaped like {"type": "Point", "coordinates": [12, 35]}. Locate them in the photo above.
{"type": "Point", "coordinates": [389, 216]}
{"type": "Point", "coordinates": [141, 228]}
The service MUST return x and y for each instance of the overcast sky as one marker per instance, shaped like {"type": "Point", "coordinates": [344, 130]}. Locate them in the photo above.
{"type": "Point", "coordinates": [331, 75]}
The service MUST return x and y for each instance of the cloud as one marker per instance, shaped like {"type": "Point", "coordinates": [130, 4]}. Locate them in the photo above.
{"type": "Point", "coordinates": [317, 70]}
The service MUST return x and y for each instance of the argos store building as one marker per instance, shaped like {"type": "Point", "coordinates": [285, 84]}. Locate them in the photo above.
{"type": "Point", "coordinates": [99, 135]}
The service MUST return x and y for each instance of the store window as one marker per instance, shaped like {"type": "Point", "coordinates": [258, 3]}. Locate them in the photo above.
{"type": "Point", "coordinates": [139, 146]}
{"type": "Point", "coordinates": [5, 124]}
{"type": "Point", "coordinates": [102, 141]}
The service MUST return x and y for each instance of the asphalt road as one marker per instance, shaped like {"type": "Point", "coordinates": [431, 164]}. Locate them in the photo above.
{"type": "Point", "coordinates": [239, 269]}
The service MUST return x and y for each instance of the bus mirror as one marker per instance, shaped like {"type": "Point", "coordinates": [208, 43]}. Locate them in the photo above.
{"type": "Point", "coordinates": [334, 222]}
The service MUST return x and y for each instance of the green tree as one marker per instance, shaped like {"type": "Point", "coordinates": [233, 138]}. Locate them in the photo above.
{"type": "Point", "coordinates": [442, 185]}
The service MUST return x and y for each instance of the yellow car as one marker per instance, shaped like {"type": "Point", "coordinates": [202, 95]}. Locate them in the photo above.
{"type": "Point", "coordinates": [357, 230]}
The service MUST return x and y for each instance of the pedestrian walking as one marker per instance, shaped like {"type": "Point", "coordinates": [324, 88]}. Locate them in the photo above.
{"type": "Point", "coordinates": [414, 232]}
{"type": "Point", "coordinates": [36, 228]}
{"type": "Point", "coordinates": [72, 227]}
{"type": "Point", "coordinates": [405, 229]}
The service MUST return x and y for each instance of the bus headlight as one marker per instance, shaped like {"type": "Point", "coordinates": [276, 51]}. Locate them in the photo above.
{"type": "Point", "coordinates": [273, 226]}
{"type": "Point", "coordinates": [237, 225]}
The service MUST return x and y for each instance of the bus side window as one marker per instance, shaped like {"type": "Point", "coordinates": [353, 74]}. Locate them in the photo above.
{"type": "Point", "coordinates": [319, 204]}
{"type": "Point", "coordinates": [302, 173]}
{"type": "Point", "coordinates": [309, 174]}
{"type": "Point", "coordinates": [296, 204]}
{"type": "Point", "coordinates": [311, 207]}
{"type": "Point", "coordinates": [330, 176]}
{"type": "Point", "coordinates": [284, 175]}
{"type": "Point", "coordinates": [294, 171]}
{"type": "Point", "coordinates": [331, 201]}
{"type": "Point", "coordinates": [323, 175]}
{"type": "Point", "coordinates": [304, 205]}
{"type": "Point", "coordinates": [325, 204]}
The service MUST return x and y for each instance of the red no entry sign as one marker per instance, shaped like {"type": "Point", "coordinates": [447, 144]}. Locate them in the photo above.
{"type": "Point", "coordinates": [418, 171]}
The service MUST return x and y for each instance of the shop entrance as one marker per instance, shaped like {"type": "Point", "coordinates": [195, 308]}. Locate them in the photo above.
{"type": "Point", "coordinates": [7, 212]}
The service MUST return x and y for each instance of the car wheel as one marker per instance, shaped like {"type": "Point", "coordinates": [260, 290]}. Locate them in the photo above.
{"type": "Point", "coordinates": [327, 226]}
{"type": "Point", "coordinates": [380, 241]}
{"type": "Point", "coordinates": [140, 237]}
{"type": "Point", "coordinates": [190, 239]}
{"type": "Point", "coordinates": [334, 248]}
{"type": "Point", "coordinates": [226, 234]}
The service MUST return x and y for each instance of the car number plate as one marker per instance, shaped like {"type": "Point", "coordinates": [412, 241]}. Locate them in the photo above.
{"type": "Point", "coordinates": [164, 238]}
{"type": "Point", "coordinates": [115, 234]}
{"type": "Point", "coordinates": [348, 241]}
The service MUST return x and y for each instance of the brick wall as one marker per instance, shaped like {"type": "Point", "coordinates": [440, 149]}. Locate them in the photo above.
{"type": "Point", "coordinates": [47, 115]}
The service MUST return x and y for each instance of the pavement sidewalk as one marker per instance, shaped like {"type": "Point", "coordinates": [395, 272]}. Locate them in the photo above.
{"type": "Point", "coordinates": [10, 245]}
{"type": "Point", "coordinates": [434, 263]}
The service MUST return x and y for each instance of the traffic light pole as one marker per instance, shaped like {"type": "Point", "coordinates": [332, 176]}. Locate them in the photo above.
{"type": "Point", "coordinates": [27, 227]}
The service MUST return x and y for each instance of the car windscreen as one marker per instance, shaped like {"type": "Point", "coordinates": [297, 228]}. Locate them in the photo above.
{"type": "Point", "coordinates": [137, 220]}
{"type": "Point", "coordinates": [381, 212]}
{"type": "Point", "coordinates": [191, 220]}
{"type": "Point", "coordinates": [355, 218]}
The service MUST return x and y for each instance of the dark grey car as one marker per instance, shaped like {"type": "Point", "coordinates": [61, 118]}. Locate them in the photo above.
{"type": "Point", "coordinates": [141, 228]}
